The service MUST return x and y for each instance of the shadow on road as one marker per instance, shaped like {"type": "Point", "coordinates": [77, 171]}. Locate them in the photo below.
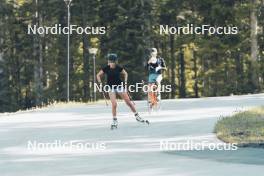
{"type": "Point", "coordinates": [253, 156]}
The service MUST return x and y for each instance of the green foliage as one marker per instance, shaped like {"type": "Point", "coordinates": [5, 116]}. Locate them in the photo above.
{"type": "Point", "coordinates": [33, 67]}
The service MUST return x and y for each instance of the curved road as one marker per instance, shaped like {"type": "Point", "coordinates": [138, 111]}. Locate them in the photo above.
{"type": "Point", "coordinates": [133, 149]}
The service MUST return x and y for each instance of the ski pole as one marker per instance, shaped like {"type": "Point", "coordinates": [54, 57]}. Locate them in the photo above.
{"type": "Point", "coordinates": [130, 98]}
{"type": "Point", "coordinates": [104, 98]}
{"type": "Point", "coordinates": [101, 85]}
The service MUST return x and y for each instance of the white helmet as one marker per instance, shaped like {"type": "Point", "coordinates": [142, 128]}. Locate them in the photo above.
{"type": "Point", "coordinates": [154, 51]}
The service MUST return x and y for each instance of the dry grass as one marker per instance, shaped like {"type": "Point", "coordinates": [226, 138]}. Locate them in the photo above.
{"type": "Point", "coordinates": [244, 128]}
{"type": "Point", "coordinates": [54, 104]}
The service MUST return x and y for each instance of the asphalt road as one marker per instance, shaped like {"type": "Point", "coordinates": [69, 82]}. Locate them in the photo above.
{"type": "Point", "coordinates": [132, 149]}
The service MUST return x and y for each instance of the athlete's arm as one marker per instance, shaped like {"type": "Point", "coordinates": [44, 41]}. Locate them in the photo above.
{"type": "Point", "coordinates": [163, 65]}
{"type": "Point", "coordinates": [99, 75]}
{"type": "Point", "coordinates": [123, 72]}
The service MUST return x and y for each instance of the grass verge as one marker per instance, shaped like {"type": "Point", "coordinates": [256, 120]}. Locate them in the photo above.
{"type": "Point", "coordinates": [244, 128]}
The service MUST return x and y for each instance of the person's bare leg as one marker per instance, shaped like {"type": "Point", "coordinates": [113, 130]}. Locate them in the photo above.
{"type": "Point", "coordinates": [126, 98]}
{"type": "Point", "coordinates": [151, 94]}
{"type": "Point", "coordinates": [112, 96]}
{"type": "Point", "coordinates": [159, 79]}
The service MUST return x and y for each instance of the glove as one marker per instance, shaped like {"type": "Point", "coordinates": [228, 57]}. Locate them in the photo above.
{"type": "Point", "coordinates": [158, 68]}
{"type": "Point", "coordinates": [125, 85]}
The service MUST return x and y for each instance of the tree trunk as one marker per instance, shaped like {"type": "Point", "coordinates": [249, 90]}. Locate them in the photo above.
{"type": "Point", "coordinates": [253, 33]}
{"type": "Point", "coordinates": [38, 55]}
{"type": "Point", "coordinates": [254, 43]}
{"type": "Point", "coordinates": [86, 75]}
{"type": "Point", "coordinates": [206, 78]}
{"type": "Point", "coordinates": [61, 62]}
{"type": "Point", "coordinates": [182, 85]}
{"type": "Point", "coordinates": [239, 72]}
{"type": "Point", "coordinates": [173, 67]}
{"type": "Point", "coordinates": [196, 93]}
{"type": "Point", "coordinates": [40, 65]}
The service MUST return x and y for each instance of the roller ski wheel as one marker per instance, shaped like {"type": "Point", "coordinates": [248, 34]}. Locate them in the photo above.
{"type": "Point", "coordinates": [114, 124]}
{"type": "Point", "coordinates": [141, 120]}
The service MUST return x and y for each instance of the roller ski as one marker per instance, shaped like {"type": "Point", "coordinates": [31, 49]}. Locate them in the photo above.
{"type": "Point", "coordinates": [114, 124]}
{"type": "Point", "coordinates": [140, 119]}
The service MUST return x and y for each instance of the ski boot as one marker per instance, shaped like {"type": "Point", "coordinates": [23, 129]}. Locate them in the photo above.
{"type": "Point", "coordinates": [140, 119]}
{"type": "Point", "coordinates": [114, 124]}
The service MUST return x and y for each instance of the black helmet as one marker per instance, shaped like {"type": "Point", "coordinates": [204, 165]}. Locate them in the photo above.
{"type": "Point", "coordinates": [112, 57]}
